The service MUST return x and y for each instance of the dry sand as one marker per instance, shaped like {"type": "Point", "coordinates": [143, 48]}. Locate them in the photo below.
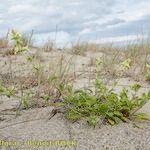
{"type": "Point", "coordinates": [32, 124]}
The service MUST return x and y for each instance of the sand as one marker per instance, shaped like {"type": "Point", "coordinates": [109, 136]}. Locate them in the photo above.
{"type": "Point", "coordinates": [33, 125]}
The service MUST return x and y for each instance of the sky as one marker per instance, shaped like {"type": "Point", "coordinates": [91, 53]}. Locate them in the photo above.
{"type": "Point", "coordinates": [87, 20]}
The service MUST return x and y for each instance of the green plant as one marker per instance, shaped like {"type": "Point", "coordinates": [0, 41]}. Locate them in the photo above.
{"type": "Point", "coordinates": [46, 98]}
{"type": "Point", "coordinates": [92, 120]}
{"type": "Point", "coordinates": [147, 77]}
{"type": "Point", "coordinates": [18, 43]}
{"type": "Point", "coordinates": [104, 104]}
{"type": "Point", "coordinates": [8, 91]}
{"type": "Point", "coordinates": [126, 64]}
{"type": "Point", "coordinates": [60, 78]}
{"type": "Point", "coordinates": [25, 99]}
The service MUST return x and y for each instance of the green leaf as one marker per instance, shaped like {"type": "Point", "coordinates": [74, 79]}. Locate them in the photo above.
{"type": "Point", "coordinates": [92, 120]}
{"type": "Point", "coordinates": [111, 122]}
{"type": "Point", "coordinates": [46, 97]}
{"type": "Point", "coordinates": [135, 87]}
{"type": "Point", "coordinates": [103, 108]}
{"type": "Point", "coordinates": [126, 64]}
{"type": "Point", "coordinates": [118, 114]}
{"type": "Point", "coordinates": [125, 119]}
{"type": "Point", "coordinates": [142, 116]}
{"type": "Point", "coordinates": [73, 115]}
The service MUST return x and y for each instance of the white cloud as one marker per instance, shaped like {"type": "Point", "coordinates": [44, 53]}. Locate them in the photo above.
{"type": "Point", "coordinates": [21, 8]}
{"type": "Point", "coordinates": [85, 31]}
{"type": "Point", "coordinates": [60, 38]}
{"type": "Point", "coordinates": [122, 38]}
{"type": "Point", "coordinates": [1, 21]}
{"type": "Point", "coordinates": [109, 18]}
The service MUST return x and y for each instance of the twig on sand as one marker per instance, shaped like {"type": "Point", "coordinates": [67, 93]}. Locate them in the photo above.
{"type": "Point", "coordinates": [21, 122]}
{"type": "Point", "coordinates": [52, 114]}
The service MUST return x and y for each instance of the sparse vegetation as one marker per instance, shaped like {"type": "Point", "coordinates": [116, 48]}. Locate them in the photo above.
{"type": "Point", "coordinates": [49, 46]}
{"type": "Point", "coordinates": [19, 44]}
{"type": "Point", "coordinates": [80, 48]}
{"type": "Point", "coordinates": [98, 105]}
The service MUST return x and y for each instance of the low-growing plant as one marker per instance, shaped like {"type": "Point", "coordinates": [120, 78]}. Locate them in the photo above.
{"type": "Point", "coordinates": [126, 64]}
{"type": "Point", "coordinates": [8, 91]}
{"type": "Point", "coordinates": [24, 98]}
{"type": "Point", "coordinates": [105, 104]}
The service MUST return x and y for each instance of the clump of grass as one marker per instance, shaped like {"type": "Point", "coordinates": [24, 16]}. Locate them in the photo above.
{"type": "Point", "coordinates": [28, 39]}
{"type": "Point", "coordinates": [80, 48]}
{"type": "Point", "coordinates": [54, 80]}
{"type": "Point", "coordinates": [49, 46]}
{"type": "Point", "coordinates": [61, 78]}
{"type": "Point", "coordinates": [107, 66]}
{"type": "Point", "coordinates": [104, 104]}
{"type": "Point", "coordinates": [139, 56]}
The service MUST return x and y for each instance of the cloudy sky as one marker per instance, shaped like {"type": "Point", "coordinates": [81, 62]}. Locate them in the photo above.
{"type": "Point", "coordinates": [92, 20]}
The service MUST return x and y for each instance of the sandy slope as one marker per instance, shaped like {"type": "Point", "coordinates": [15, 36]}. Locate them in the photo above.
{"type": "Point", "coordinates": [33, 125]}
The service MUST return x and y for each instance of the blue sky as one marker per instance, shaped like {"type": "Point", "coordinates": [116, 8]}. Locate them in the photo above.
{"type": "Point", "coordinates": [92, 20]}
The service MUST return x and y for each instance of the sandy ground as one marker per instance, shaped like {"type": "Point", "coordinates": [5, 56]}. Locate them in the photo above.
{"type": "Point", "coordinates": [32, 126]}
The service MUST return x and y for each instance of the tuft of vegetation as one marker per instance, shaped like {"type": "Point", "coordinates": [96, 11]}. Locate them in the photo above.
{"type": "Point", "coordinates": [49, 46]}
{"type": "Point", "coordinates": [80, 48]}
{"type": "Point", "coordinates": [18, 43]}
{"type": "Point", "coordinates": [104, 104]}
{"type": "Point", "coordinates": [28, 39]}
